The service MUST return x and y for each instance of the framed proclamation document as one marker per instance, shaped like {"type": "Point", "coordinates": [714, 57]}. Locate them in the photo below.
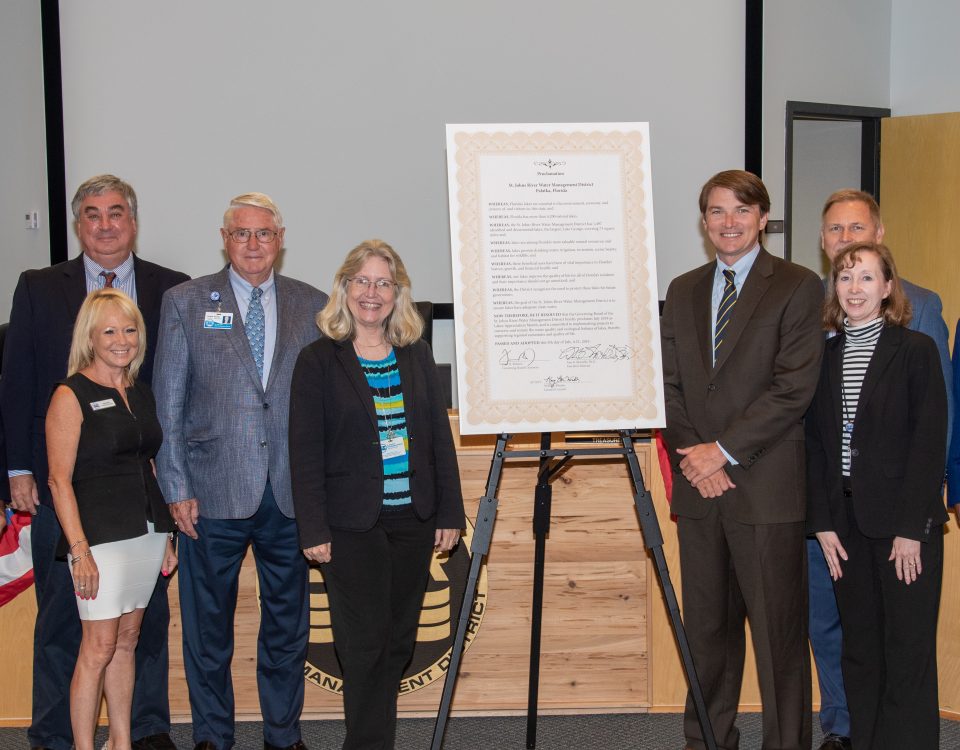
{"type": "Point", "coordinates": [554, 277]}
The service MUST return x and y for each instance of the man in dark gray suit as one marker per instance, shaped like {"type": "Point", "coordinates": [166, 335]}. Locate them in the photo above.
{"type": "Point", "coordinates": [228, 344]}
{"type": "Point", "coordinates": [741, 357]}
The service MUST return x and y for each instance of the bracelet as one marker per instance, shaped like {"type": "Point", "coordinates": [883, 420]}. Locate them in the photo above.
{"type": "Point", "coordinates": [73, 561]}
{"type": "Point", "coordinates": [79, 541]}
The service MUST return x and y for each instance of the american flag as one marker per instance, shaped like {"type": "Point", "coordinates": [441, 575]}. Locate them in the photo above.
{"type": "Point", "coordinates": [16, 564]}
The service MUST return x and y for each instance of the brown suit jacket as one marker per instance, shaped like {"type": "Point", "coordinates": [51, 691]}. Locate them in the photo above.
{"type": "Point", "coordinates": [754, 399]}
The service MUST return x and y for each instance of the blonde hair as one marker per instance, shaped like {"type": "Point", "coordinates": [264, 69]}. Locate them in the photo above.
{"type": "Point", "coordinates": [401, 328]}
{"type": "Point", "coordinates": [851, 195]}
{"type": "Point", "coordinates": [895, 309]}
{"type": "Point", "coordinates": [81, 347]}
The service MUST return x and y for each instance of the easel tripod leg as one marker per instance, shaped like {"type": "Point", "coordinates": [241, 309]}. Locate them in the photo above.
{"type": "Point", "coordinates": [479, 548]}
{"type": "Point", "coordinates": [653, 540]}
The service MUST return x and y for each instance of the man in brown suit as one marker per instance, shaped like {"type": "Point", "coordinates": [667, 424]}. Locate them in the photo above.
{"type": "Point", "coordinates": [742, 343]}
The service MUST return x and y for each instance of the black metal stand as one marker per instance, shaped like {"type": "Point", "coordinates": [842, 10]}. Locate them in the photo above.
{"type": "Point", "coordinates": [483, 532]}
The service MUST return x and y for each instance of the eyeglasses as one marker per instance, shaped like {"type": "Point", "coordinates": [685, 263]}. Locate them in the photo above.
{"type": "Point", "coordinates": [384, 286]}
{"type": "Point", "coordinates": [266, 236]}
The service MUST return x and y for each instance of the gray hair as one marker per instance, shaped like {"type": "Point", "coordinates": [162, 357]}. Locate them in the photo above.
{"type": "Point", "coordinates": [104, 183]}
{"type": "Point", "coordinates": [255, 200]}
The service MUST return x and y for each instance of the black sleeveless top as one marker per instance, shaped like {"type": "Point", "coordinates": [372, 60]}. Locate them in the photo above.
{"type": "Point", "coordinates": [112, 478]}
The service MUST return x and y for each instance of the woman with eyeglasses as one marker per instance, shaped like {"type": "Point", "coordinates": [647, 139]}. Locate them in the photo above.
{"type": "Point", "coordinates": [376, 485]}
{"type": "Point", "coordinates": [876, 445]}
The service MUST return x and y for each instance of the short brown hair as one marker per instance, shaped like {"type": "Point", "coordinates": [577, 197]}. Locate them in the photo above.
{"type": "Point", "coordinates": [895, 309]}
{"type": "Point", "coordinates": [850, 195]}
{"type": "Point", "coordinates": [748, 188]}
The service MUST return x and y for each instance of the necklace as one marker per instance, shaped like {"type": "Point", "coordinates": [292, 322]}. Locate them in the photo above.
{"type": "Point", "coordinates": [360, 348]}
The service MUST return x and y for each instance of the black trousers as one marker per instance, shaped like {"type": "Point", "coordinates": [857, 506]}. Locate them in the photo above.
{"type": "Point", "coordinates": [890, 644]}
{"type": "Point", "coordinates": [376, 580]}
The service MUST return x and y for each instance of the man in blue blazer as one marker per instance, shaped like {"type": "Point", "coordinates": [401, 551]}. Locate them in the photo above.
{"type": "Point", "coordinates": [228, 344]}
{"type": "Point", "coordinates": [45, 305]}
{"type": "Point", "coordinates": [853, 216]}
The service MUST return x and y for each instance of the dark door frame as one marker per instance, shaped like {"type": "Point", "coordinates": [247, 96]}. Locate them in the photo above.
{"type": "Point", "coordinates": [869, 119]}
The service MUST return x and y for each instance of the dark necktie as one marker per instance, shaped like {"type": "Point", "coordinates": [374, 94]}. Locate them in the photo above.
{"type": "Point", "coordinates": [254, 326]}
{"type": "Point", "coordinates": [725, 310]}
{"type": "Point", "coordinates": [108, 277]}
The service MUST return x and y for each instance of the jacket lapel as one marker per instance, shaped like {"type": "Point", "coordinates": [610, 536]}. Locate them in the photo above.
{"type": "Point", "coordinates": [146, 290]}
{"type": "Point", "coordinates": [74, 285]}
{"type": "Point", "coordinates": [834, 356]}
{"type": "Point", "coordinates": [702, 303]}
{"type": "Point", "coordinates": [351, 366]}
{"type": "Point", "coordinates": [748, 297]}
{"type": "Point", "coordinates": [407, 374]}
{"type": "Point", "coordinates": [286, 315]}
{"type": "Point", "coordinates": [887, 345]}
{"type": "Point", "coordinates": [236, 334]}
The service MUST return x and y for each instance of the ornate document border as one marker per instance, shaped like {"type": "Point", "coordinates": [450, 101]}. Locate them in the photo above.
{"type": "Point", "coordinates": [593, 381]}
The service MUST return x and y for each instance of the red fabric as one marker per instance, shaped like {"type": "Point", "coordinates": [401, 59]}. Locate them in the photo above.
{"type": "Point", "coordinates": [16, 571]}
{"type": "Point", "coordinates": [666, 470]}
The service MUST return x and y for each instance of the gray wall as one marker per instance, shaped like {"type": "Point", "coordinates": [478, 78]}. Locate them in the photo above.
{"type": "Point", "coordinates": [925, 57]}
{"type": "Point", "coordinates": [338, 110]}
{"type": "Point", "coordinates": [23, 149]}
{"type": "Point", "coordinates": [819, 51]}
{"type": "Point", "coordinates": [349, 135]}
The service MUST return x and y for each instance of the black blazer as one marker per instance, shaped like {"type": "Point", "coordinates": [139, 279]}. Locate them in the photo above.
{"type": "Point", "coordinates": [335, 461]}
{"type": "Point", "coordinates": [35, 353]}
{"type": "Point", "coordinates": [898, 443]}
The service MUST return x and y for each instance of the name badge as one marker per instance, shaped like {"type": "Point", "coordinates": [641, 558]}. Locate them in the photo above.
{"type": "Point", "coordinates": [218, 320]}
{"type": "Point", "coordinates": [392, 447]}
{"type": "Point", "coordinates": [105, 404]}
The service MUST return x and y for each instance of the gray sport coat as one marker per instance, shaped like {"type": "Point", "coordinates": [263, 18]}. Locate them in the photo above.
{"type": "Point", "coordinates": [223, 434]}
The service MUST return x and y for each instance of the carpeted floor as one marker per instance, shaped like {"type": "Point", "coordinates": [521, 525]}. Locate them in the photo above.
{"type": "Point", "coordinates": [606, 732]}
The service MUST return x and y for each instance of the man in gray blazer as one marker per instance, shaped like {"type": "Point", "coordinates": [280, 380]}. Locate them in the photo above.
{"type": "Point", "coordinates": [227, 346]}
{"type": "Point", "coordinates": [853, 216]}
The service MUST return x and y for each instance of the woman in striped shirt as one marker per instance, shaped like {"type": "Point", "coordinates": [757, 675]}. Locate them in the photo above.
{"type": "Point", "coordinates": [876, 444]}
{"type": "Point", "coordinates": [376, 485]}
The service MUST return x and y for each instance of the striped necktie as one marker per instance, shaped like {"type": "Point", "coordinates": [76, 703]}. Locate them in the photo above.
{"type": "Point", "coordinates": [108, 277]}
{"type": "Point", "coordinates": [725, 310]}
{"type": "Point", "coordinates": [254, 326]}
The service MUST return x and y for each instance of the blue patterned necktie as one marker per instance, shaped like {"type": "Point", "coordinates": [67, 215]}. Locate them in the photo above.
{"type": "Point", "coordinates": [725, 310]}
{"type": "Point", "coordinates": [254, 327]}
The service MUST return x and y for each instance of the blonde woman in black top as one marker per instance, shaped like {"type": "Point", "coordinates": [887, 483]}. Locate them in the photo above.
{"type": "Point", "coordinates": [102, 434]}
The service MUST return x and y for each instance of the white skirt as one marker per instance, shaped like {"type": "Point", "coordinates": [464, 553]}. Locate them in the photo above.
{"type": "Point", "coordinates": [128, 574]}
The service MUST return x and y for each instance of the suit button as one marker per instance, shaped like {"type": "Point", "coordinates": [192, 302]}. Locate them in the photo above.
{"type": "Point", "coordinates": [263, 443]}
{"type": "Point", "coordinates": [854, 452]}
{"type": "Point", "coordinates": [712, 387]}
{"type": "Point", "coordinates": [266, 405]}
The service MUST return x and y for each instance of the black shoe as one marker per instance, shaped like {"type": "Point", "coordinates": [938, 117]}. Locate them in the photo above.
{"type": "Point", "coordinates": [154, 742]}
{"type": "Point", "coordinates": [298, 745]}
{"type": "Point", "coordinates": [205, 745]}
{"type": "Point", "coordinates": [835, 742]}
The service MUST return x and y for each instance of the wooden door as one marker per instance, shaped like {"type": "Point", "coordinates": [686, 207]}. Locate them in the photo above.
{"type": "Point", "coordinates": [920, 201]}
